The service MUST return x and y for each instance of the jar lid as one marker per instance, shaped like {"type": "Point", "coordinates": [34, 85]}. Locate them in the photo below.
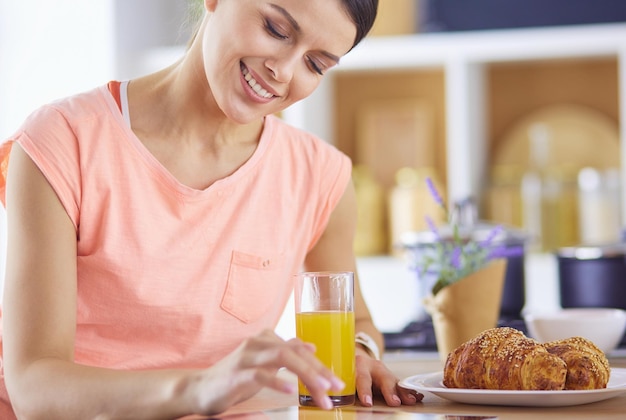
{"type": "Point", "coordinates": [592, 252]}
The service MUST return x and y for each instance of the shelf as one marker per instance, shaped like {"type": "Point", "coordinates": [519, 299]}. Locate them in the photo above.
{"type": "Point", "coordinates": [441, 49]}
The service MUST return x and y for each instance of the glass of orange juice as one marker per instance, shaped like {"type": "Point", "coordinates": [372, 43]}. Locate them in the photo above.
{"type": "Point", "coordinates": [325, 317]}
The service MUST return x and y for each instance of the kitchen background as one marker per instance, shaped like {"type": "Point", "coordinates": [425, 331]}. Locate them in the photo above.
{"type": "Point", "coordinates": [515, 105]}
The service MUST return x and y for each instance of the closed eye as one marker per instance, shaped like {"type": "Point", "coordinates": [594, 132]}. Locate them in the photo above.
{"type": "Point", "coordinates": [272, 30]}
{"type": "Point", "coordinates": [315, 66]}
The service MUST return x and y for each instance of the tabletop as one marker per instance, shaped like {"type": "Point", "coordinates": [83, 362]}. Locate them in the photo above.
{"type": "Point", "coordinates": [271, 405]}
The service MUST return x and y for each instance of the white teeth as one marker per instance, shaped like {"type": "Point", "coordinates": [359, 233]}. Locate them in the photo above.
{"type": "Point", "coordinates": [254, 85]}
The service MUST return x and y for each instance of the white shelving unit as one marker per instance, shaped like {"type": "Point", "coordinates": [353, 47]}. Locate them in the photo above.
{"type": "Point", "coordinates": [463, 57]}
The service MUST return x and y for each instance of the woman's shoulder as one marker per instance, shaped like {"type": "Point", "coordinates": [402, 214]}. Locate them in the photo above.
{"type": "Point", "coordinates": [297, 140]}
{"type": "Point", "coordinates": [77, 107]}
{"type": "Point", "coordinates": [306, 157]}
{"type": "Point", "coordinates": [69, 118]}
{"type": "Point", "coordinates": [67, 111]}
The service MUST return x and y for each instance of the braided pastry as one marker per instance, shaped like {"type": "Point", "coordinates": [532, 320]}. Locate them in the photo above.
{"type": "Point", "coordinates": [504, 358]}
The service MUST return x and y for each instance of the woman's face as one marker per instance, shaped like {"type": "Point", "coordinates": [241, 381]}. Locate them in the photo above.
{"type": "Point", "coordinates": [261, 56]}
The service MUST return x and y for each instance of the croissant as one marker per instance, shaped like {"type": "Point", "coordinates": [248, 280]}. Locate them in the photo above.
{"type": "Point", "coordinates": [587, 365]}
{"type": "Point", "coordinates": [504, 358]}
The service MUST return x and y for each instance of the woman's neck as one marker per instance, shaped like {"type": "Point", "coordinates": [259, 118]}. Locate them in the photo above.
{"type": "Point", "coordinates": [174, 114]}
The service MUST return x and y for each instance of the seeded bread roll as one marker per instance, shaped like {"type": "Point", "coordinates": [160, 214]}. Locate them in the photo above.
{"type": "Point", "coordinates": [587, 365]}
{"type": "Point", "coordinates": [504, 358]}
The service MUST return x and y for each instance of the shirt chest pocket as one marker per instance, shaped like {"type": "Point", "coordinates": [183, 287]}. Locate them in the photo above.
{"type": "Point", "coordinates": [254, 283]}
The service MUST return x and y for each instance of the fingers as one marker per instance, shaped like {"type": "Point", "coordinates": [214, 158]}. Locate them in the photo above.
{"type": "Point", "coordinates": [317, 378]}
{"type": "Point", "coordinates": [388, 391]}
{"type": "Point", "coordinates": [268, 353]}
{"type": "Point", "coordinates": [395, 395]}
{"type": "Point", "coordinates": [364, 381]}
{"type": "Point", "coordinates": [374, 375]}
{"type": "Point", "coordinates": [271, 380]}
{"type": "Point", "coordinates": [409, 396]}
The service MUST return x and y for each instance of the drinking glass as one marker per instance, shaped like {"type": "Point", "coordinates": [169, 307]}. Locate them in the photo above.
{"type": "Point", "coordinates": [325, 317]}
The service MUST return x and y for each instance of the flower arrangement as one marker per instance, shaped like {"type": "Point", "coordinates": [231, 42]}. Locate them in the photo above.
{"type": "Point", "coordinates": [455, 255]}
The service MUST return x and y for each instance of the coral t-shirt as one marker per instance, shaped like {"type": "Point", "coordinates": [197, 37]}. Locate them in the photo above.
{"type": "Point", "coordinates": [170, 276]}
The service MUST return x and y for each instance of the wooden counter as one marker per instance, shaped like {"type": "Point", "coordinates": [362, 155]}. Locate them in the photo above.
{"type": "Point", "coordinates": [404, 365]}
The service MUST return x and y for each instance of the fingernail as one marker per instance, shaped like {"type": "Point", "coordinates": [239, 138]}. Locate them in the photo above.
{"type": "Point", "coordinates": [338, 384]}
{"type": "Point", "coordinates": [368, 400]}
{"type": "Point", "coordinates": [413, 398]}
{"type": "Point", "coordinates": [290, 388]}
{"type": "Point", "coordinates": [396, 399]}
{"type": "Point", "coordinates": [327, 403]}
{"type": "Point", "coordinates": [323, 382]}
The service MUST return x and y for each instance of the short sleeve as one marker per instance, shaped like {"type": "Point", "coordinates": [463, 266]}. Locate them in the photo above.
{"type": "Point", "coordinates": [49, 140]}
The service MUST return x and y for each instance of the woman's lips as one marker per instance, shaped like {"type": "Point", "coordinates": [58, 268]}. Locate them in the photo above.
{"type": "Point", "coordinates": [254, 84]}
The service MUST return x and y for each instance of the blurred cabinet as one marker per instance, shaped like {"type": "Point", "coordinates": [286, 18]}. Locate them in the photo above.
{"type": "Point", "coordinates": [471, 89]}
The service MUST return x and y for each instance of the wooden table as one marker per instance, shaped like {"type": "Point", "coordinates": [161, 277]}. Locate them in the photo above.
{"type": "Point", "coordinates": [404, 365]}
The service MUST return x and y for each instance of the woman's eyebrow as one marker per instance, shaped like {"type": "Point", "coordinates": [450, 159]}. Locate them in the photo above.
{"type": "Point", "coordinates": [296, 26]}
{"type": "Point", "coordinates": [331, 56]}
{"type": "Point", "coordinates": [287, 15]}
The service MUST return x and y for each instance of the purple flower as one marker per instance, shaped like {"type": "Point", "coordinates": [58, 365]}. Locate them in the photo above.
{"type": "Point", "coordinates": [492, 235]}
{"type": "Point", "coordinates": [455, 258]}
{"type": "Point", "coordinates": [451, 259]}
{"type": "Point", "coordinates": [432, 227]}
{"type": "Point", "coordinates": [505, 252]}
{"type": "Point", "coordinates": [434, 193]}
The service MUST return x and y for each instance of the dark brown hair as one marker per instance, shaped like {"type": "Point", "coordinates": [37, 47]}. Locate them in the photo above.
{"type": "Point", "coordinates": [363, 14]}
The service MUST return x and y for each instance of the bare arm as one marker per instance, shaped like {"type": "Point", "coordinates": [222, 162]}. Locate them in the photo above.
{"type": "Point", "coordinates": [39, 321]}
{"type": "Point", "coordinates": [335, 251]}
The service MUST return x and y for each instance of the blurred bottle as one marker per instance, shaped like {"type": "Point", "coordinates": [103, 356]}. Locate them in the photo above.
{"type": "Point", "coordinates": [549, 197]}
{"type": "Point", "coordinates": [560, 208]}
{"type": "Point", "coordinates": [599, 203]}
{"type": "Point", "coordinates": [371, 232]}
{"type": "Point", "coordinates": [410, 202]}
{"type": "Point", "coordinates": [503, 201]}
{"type": "Point", "coordinates": [534, 186]}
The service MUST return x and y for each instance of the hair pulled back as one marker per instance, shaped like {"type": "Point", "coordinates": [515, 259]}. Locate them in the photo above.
{"type": "Point", "coordinates": [363, 14]}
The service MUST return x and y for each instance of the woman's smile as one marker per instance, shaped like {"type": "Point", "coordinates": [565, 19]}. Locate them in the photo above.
{"type": "Point", "coordinates": [257, 87]}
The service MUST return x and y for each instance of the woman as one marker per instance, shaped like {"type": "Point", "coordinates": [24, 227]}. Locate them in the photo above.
{"type": "Point", "coordinates": [155, 225]}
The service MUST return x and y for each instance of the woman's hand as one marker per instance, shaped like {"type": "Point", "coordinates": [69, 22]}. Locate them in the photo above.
{"type": "Point", "coordinates": [374, 378]}
{"type": "Point", "coordinates": [255, 365]}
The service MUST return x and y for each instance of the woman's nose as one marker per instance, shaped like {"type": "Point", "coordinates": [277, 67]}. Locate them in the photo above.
{"type": "Point", "coordinates": [282, 67]}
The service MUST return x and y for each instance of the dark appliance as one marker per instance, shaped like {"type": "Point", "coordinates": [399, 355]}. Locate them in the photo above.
{"type": "Point", "coordinates": [465, 15]}
{"type": "Point", "coordinates": [592, 276]}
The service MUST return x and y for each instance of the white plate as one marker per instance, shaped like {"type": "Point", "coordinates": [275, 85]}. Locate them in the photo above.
{"type": "Point", "coordinates": [433, 383]}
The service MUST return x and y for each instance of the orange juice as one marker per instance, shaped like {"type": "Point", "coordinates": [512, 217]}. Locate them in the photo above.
{"type": "Point", "coordinates": [332, 332]}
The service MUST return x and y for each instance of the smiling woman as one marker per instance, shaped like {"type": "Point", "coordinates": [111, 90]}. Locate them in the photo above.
{"type": "Point", "coordinates": [177, 211]}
